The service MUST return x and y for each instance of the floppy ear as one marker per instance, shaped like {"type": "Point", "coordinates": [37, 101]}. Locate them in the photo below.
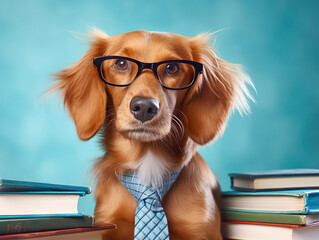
{"type": "Point", "coordinates": [83, 91]}
{"type": "Point", "coordinates": [220, 88]}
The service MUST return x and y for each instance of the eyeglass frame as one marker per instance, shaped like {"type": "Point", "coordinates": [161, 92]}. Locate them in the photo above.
{"type": "Point", "coordinates": [97, 61]}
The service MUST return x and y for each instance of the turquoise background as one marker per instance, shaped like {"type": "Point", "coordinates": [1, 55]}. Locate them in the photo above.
{"type": "Point", "coordinates": [277, 42]}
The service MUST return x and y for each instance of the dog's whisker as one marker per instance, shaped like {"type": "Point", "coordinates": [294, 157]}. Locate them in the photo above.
{"type": "Point", "coordinates": [109, 120]}
{"type": "Point", "coordinates": [175, 134]}
{"type": "Point", "coordinates": [109, 123]}
{"type": "Point", "coordinates": [162, 140]}
{"type": "Point", "coordinates": [177, 129]}
{"type": "Point", "coordinates": [183, 114]}
{"type": "Point", "coordinates": [110, 114]}
{"type": "Point", "coordinates": [180, 125]}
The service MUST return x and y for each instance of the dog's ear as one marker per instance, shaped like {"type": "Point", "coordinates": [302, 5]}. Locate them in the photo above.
{"type": "Point", "coordinates": [220, 88]}
{"type": "Point", "coordinates": [83, 91]}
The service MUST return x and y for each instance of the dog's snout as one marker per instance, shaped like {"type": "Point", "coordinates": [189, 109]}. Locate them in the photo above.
{"type": "Point", "coordinates": [144, 109]}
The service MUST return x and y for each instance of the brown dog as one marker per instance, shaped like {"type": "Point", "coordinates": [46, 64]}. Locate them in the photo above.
{"type": "Point", "coordinates": [152, 117]}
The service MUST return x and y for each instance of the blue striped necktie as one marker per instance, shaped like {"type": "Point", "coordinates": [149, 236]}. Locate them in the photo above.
{"type": "Point", "coordinates": [150, 218]}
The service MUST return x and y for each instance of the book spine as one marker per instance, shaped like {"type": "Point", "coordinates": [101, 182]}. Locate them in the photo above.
{"type": "Point", "coordinates": [311, 202]}
{"type": "Point", "coordinates": [11, 226]}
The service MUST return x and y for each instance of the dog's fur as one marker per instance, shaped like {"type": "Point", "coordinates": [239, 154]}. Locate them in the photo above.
{"type": "Point", "coordinates": [167, 142]}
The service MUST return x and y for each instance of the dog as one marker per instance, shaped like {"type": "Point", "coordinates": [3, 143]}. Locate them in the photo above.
{"type": "Point", "coordinates": [153, 97]}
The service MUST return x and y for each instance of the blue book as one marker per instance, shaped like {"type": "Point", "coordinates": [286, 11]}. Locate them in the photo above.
{"type": "Point", "coordinates": [288, 202]}
{"type": "Point", "coordinates": [275, 180]}
{"type": "Point", "coordinates": [25, 186]}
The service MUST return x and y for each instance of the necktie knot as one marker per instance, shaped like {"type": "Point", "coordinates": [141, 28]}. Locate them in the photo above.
{"type": "Point", "coordinates": [152, 204]}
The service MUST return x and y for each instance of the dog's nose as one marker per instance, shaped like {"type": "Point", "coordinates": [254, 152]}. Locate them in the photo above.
{"type": "Point", "coordinates": [144, 109]}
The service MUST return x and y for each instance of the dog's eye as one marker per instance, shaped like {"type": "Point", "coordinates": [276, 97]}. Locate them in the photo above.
{"type": "Point", "coordinates": [121, 65]}
{"type": "Point", "coordinates": [172, 68]}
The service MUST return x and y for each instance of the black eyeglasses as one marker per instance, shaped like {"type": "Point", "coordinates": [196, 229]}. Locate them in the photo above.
{"type": "Point", "coordinates": [172, 74]}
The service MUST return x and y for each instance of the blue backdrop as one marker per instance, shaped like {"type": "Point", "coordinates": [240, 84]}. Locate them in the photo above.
{"type": "Point", "coordinates": [277, 42]}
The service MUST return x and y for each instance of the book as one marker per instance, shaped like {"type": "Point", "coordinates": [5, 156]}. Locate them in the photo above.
{"type": "Point", "coordinates": [270, 217]}
{"type": "Point", "coordinates": [289, 202]}
{"type": "Point", "coordinates": [14, 204]}
{"type": "Point", "coordinates": [266, 231]}
{"type": "Point", "coordinates": [7, 185]}
{"type": "Point", "coordinates": [92, 233]}
{"type": "Point", "coordinates": [275, 180]}
{"type": "Point", "coordinates": [24, 225]}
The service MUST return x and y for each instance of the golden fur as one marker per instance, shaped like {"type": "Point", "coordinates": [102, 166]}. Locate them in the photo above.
{"type": "Point", "coordinates": [186, 118]}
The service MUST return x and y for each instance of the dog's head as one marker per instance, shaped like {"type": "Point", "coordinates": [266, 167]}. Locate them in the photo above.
{"type": "Point", "coordinates": [150, 85]}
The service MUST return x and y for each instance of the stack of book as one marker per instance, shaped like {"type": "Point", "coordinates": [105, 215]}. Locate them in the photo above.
{"type": "Point", "coordinates": [44, 211]}
{"type": "Point", "coordinates": [281, 205]}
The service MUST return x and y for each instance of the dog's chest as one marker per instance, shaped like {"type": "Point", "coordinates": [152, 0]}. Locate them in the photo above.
{"type": "Point", "coordinates": [152, 169]}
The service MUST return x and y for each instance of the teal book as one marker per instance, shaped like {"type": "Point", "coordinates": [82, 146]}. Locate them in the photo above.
{"type": "Point", "coordinates": [26, 186]}
{"type": "Point", "coordinates": [25, 225]}
{"type": "Point", "coordinates": [288, 202]}
{"type": "Point", "coordinates": [275, 180]}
